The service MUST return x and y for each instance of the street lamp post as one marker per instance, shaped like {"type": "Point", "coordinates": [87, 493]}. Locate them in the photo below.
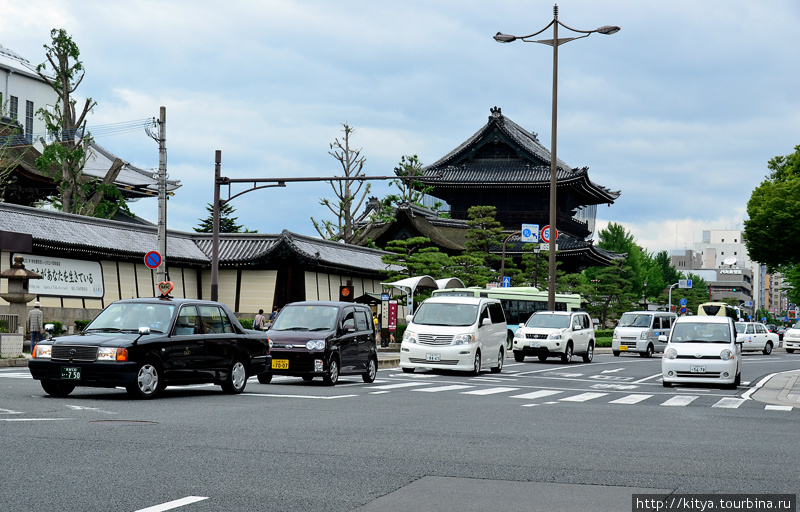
{"type": "Point", "coordinates": [555, 42]}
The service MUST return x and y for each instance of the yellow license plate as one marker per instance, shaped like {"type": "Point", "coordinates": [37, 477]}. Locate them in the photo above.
{"type": "Point", "coordinates": [623, 347]}
{"type": "Point", "coordinates": [280, 364]}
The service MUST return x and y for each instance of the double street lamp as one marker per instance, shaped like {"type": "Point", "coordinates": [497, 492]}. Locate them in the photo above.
{"type": "Point", "coordinates": [555, 42]}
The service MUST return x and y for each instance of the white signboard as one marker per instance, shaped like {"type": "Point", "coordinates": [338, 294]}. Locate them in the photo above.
{"type": "Point", "coordinates": [529, 233]}
{"type": "Point", "coordinates": [63, 277]}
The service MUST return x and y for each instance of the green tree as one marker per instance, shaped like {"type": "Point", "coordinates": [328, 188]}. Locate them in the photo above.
{"type": "Point", "coordinates": [349, 194]}
{"type": "Point", "coordinates": [63, 159]}
{"type": "Point", "coordinates": [611, 292]}
{"type": "Point", "coordinates": [416, 257]}
{"type": "Point", "coordinates": [471, 270]}
{"type": "Point", "coordinates": [483, 234]}
{"type": "Point", "coordinates": [227, 222]}
{"type": "Point", "coordinates": [772, 233]}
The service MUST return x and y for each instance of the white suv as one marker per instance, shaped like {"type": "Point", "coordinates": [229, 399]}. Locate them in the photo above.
{"type": "Point", "coordinates": [555, 334]}
{"type": "Point", "coordinates": [791, 338]}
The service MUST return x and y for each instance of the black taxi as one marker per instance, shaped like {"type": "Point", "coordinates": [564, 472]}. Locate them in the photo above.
{"type": "Point", "coordinates": [146, 344]}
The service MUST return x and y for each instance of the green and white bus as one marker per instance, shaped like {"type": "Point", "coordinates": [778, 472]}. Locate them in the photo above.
{"type": "Point", "coordinates": [519, 302]}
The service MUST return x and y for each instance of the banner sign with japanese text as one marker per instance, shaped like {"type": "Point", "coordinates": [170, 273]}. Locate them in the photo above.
{"type": "Point", "coordinates": [63, 277]}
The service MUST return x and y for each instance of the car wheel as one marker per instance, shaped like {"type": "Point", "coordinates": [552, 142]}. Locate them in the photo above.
{"type": "Point", "coordinates": [476, 364]}
{"type": "Point", "coordinates": [509, 340]}
{"type": "Point", "coordinates": [737, 381]}
{"type": "Point", "coordinates": [408, 370]}
{"type": "Point", "coordinates": [768, 348]}
{"type": "Point", "coordinates": [566, 357]}
{"type": "Point", "coordinates": [542, 358]}
{"type": "Point", "coordinates": [236, 380]}
{"type": "Point", "coordinates": [790, 351]}
{"type": "Point", "coordinates": [587, 358]}
{"type": "Point", "coordinates": [56, 388]}
{"type": "Point", "coordinates": [332, 377]}
{"type": "Point", "coordinates": [519, 357]}
{"type": "Point", "coordinates": [265, 378]}
{"type": "Point", "coordinates": [648, 351]}
{"type": "Point", "coordinates": [308, 378]}
{"type": "Point", "coordinates": [615, 352]}
{"type": "Point", "coordinates": [149, 380]}
{"type": "Point", "coordinates": [666, 384]}
{"type": "Point", "coordinates": [500, 357]}
{"type": "Point", "coordinates": [372, 371]}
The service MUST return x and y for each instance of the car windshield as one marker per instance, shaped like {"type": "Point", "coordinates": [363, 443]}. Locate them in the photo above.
{"type": "Point", "coordinates": [797, 325]}
{"type": "Point", "coordinates": [635, 320]}
{"type": "Point", "coordinates": [700, 333]}
{"type": "Point", "coordinates": [130, 316]}
{"type": "Point", "coordinates": [548, 321]}
{"type": "Point", "coordinates": [437, 313]}
{"type": "Point", "coordinates": [740, 327]}
{"type": "Point", "coordinates": [306, 318]}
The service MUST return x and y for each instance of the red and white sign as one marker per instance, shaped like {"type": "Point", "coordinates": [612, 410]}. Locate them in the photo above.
{"type": "Point", "coordinates": [152, 259]}
{"type": "Point", "coordinates": [546, 234]}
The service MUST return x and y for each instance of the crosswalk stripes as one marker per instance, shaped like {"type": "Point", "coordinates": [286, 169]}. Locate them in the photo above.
{"type": "Point", "coordinates": [489, 391]}
{"type": "Point", "coordinates": [436, 389]}
{"type": "Point", "coordinates": [680, 401]}
{"type": "Point", "coordinates": [583, 397]}
{"type": "Point", "coordinates": [729, 403]}
{"type": "Point", "coordinates": [537, 394]}
{"type": "Point", "coordinates": [631, 399]}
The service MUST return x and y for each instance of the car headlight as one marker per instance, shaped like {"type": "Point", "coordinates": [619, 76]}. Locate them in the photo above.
{"type": "Point", "coordinates": [643, 335]}
{"type": "Point", "coordinates": [616, 335]}
{"type": "Point", "coordinates": [315, 345]}
{"type": "Point", "coordinates": [410, 336]}
{"type": "Point", "coordinates": [463, 339]}
{"type": "Point", "coordinates": [726, 354]}
{"type": "Point", "coordinates": [671, 353]}
{"type": "Point", "coordinates": [555, 335]}
{"type": "Point", "coordinates": [112, 354]}
{"type": "Point", "coordinates": [42, 351]}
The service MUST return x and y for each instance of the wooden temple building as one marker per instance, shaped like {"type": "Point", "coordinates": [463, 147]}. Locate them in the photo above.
{"type": "Point", "coordinates": [504, 166]}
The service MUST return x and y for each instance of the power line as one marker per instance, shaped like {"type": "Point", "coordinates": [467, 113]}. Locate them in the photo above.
{"type": "Point", "coordinates": [102, 130]}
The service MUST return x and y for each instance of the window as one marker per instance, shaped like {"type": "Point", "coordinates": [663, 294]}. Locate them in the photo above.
{"type": "Point", "coordinates": [362, 324]}
{"type": "Point", "coordinates": [496, 312]}
{"type": "Point", "coordinates": [188, 321]}
{"type": "Point", "coordinates": [13, 108]}
{"type": "Point", "coordinates": [484, 315]}
{"type": "Point", "coordinates": [348, 322]}
{"type": "Point", "coordinates": [215, 321]}
{"type": "Point", "coordinates": [749, 329]}
{"type": "Point", "coordinates": [29, 121]}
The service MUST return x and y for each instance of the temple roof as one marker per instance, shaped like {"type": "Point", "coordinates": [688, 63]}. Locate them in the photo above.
{"type": "Point", "coordinates": [526, 163]}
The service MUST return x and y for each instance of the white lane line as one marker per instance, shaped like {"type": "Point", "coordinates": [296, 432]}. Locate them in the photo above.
{"type": "Point", "coordinates": [647, 378]}
{"type": "Point", "coordinates": [630, 399]}
{"type": "Point", "coordinates": [9, 411]}
{"type": "Point", "coordinates": [173, 504]}
{"type": "Point", "coordinates": [680, 401]}
{"type": "Point", "coordinates": [489, 391]}
{"type": "Point", "coordinates": [299, 396]}
{"type": "Point", "coordinates": [415, 375]}
{"type": "Point", "coordinates": [729, 403]}
{"type": "Point", "coordinates": [400, 385]}
{"type": "Point", "coordinates": [615, 370]}
{"type": "Point", "coordinates": [583, 397]}
{"type": "Point", "coordinates": [443, 388]}
{"type": "Point", "coordinates": [778, 408]}
{"type": "Point", "coordinates": [537, 394]}
{"type": "Point", "coordinates": [16, 375]}
{"type": "Point", "coordinates": [35, 419]}
{"type": "Point", "coordinates": [746, 394]}
{"type": "Point", "coordinates": [379, 392]}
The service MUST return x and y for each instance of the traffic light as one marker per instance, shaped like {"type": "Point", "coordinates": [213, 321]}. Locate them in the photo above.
{"type": "Point", "coordinates": [346, 293]}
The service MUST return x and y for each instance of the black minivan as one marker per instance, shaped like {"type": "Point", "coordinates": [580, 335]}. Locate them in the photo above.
{"type": "Point", "coordinates": [323, 339]}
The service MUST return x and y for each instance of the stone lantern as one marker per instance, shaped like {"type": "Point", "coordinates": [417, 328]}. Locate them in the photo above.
{"type": "Point", "coordinates": [18, 296]}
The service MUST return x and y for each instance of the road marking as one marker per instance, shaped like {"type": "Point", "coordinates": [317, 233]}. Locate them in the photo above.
{"type": "Point", "coordinates": [680, 401]}
{"type": "Point", "coordinates": [488, 391]}
{"type": "Point", "coordinates": [729, 403]}
{"type": "Point", "coordinates": [619, 387]}
{"type": "Point", "coordinates": [35, 419]}
{"type": "Point", "coordinates": [443, 388]}
{"type": "Point", "coordinates": [299, 396]}
{"type": "Point", "coordinates": [630, 399]}
{"type": "Point", "coordinates": [583, 397]}
{"type": "Point", "coordinates": [16, 375]}
{"type": "Point", "coordinates": [400, 385]}
{"type": "Point", "coordinates": [173, 504]}
{"type": "Point", "coordinates": [647, 378]}
{"type": "Point", "coordinates": [9, 411]}
{"type": "Point", "coordinates": [613, 371]}
{"type": "Point", "coordinates": [538, 394]}
{"type": "Point", "coordinates": [494, 379]}
{"type": "Point", "coordinates": [778, 408]}
{"type": "Point", "coordinates": [415, 375]}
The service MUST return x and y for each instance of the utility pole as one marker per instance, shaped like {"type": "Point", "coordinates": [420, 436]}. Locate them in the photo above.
{"type": "Point", "coordinates": [161, 273]}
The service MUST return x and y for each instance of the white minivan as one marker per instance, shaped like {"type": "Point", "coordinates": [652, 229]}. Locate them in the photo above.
{"type": "Point", "coordinates": [638, 331]}
{"type": "Point", "coordinates": [455, 333]}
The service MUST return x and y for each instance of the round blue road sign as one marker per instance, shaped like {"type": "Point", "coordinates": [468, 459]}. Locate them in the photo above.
{"type": "Point", "coordinates": [152, 259]}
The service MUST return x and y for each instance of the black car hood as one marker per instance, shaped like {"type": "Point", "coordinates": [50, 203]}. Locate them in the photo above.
{"type": "Point", "coordinates": [297, 336]}
{"type": "Point", "coordinates": [112, 339]}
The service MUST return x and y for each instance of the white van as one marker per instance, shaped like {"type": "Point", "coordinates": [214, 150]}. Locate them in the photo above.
{"type": "Point", "coordinates": [455, 333]}
{"type": "Point", "coordinates": [638, 331]}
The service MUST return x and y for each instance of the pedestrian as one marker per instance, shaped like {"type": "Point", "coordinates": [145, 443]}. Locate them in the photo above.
{"type": "Point", "coordinates": [273, 314]}
{"type": "Point", "coordinates": [36, 324]}
{"type": "Point", "coordinates": [260, 321]}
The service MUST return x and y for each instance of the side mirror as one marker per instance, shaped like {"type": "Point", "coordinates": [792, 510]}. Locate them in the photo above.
{"type": "Point", "coordinates": [409, 318]}
{"type": "Point", "coordinates": [662, 338]}
{"type": "Point", "coordinates": [486, 321]}
{"type": "Point", "coordinates": [50, 328]}
{"type": "Point", "coordinates": [143, 331]}
{"type": "Point", "coordinates": [521, 326]}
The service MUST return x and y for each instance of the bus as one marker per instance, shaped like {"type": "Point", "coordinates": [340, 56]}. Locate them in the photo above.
{"type": "Point", "coordinates": [718, 309]}
{"type": "Point", "coordinates": [519, 302]}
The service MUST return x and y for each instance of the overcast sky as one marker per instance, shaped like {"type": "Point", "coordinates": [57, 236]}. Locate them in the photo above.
{"type": "Point", "coordinates": [680, 111]}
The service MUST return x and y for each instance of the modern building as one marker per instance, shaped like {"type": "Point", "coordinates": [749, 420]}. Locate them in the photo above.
{"type": "Point", "coordinates": [22, 93]}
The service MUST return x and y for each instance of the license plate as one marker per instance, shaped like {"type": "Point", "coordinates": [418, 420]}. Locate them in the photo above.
{"type": "Point", "coordinates": [70, 373]}
{"type": "Point", "coordinates": [536, 344]}
{"type": "Point", "coordinates": [697, 369]}
{"type": "Point", "coordinates": [623, 347]}
{"type": "Point", "coordinates": [433, 357]}
{"type": "Point", "coordinates": [280, 364]}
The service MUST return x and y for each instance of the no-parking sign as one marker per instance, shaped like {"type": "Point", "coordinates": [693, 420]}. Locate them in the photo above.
{"type": "Point", "coordinates": [152, 259]}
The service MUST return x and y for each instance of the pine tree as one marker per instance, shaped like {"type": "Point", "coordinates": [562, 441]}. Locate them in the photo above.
{"type": "Point", "coordinates": [227, 223]}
